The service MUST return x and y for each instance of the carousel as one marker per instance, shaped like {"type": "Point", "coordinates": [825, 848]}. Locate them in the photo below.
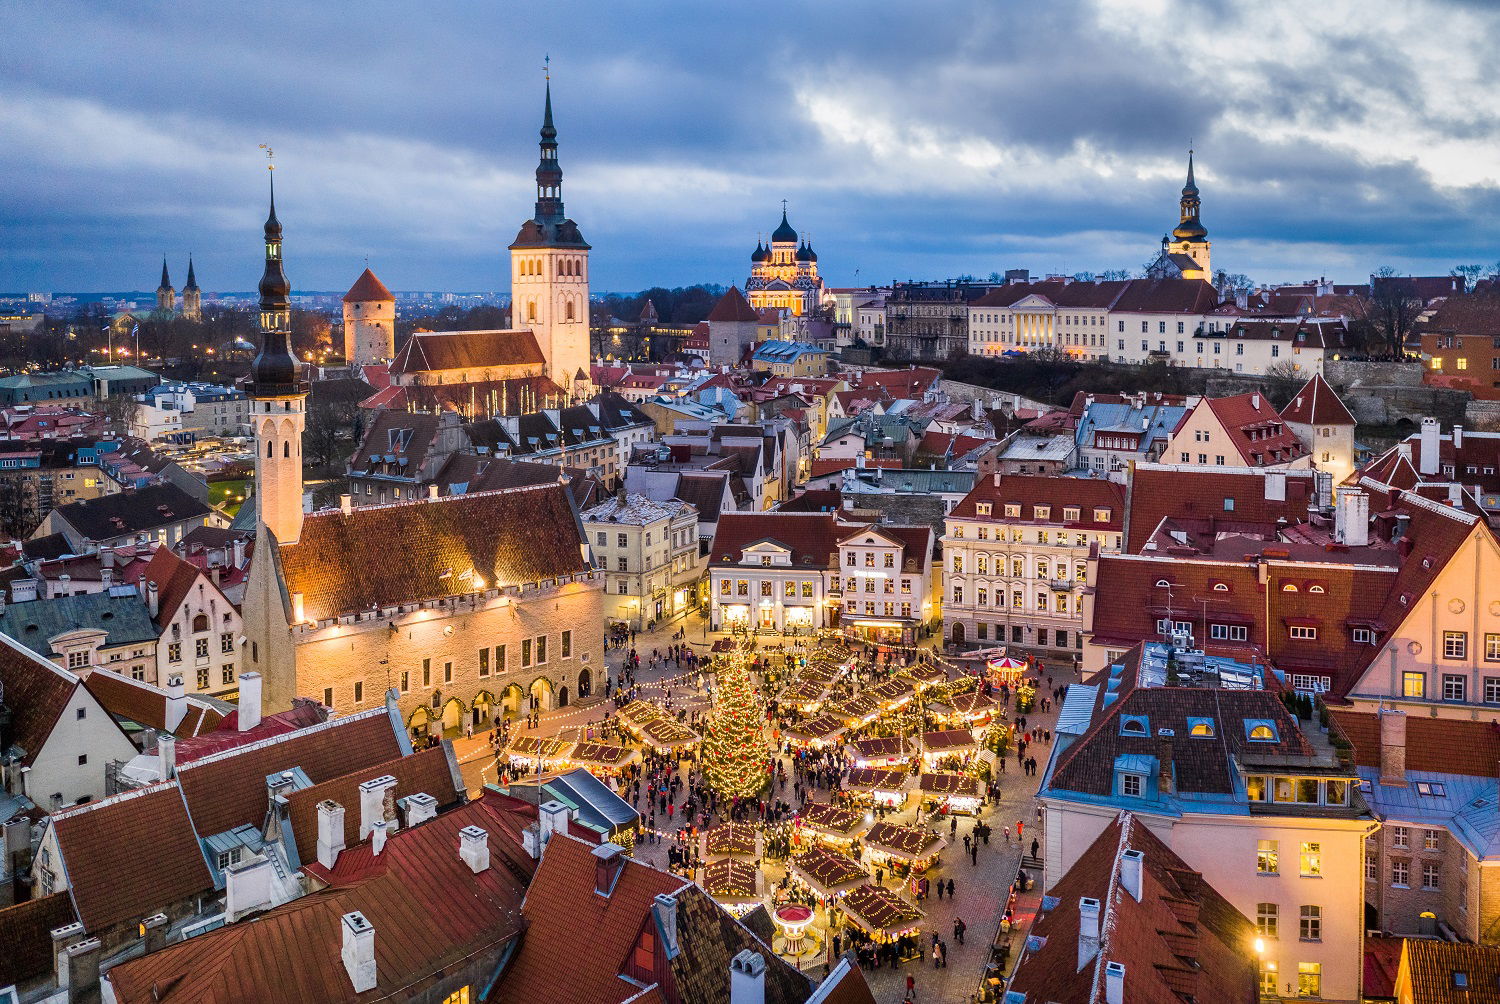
{"type": "Point", "coordinates": [910, 846]}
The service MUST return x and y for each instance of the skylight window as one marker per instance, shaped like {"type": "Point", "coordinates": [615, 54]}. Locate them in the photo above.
{"type": "Point", "coordinates": [1436, 789]}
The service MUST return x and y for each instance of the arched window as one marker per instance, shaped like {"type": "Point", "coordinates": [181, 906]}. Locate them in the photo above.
{"type": "Point", "coordinates": [568, 310]}
{"type": "Point", "coordinates": [1163, 584]}
{"type": "Point", "coordinates": [531, 310]}
{"type": "Point", "coordinates": [1221, 587]}
{"type": "Point", "coordinates": [1132, 727]}
{"type": "Point", "coordinates": [200, 623]}
{"type": "Point", "coordinates": [1290, 587]}
{"type": "Point", "coordinates": [1315, 589]}
{"type": "Point", "coordinates": [1203, 729]}
{"type": "Point", "coordinates": [1263, 733]}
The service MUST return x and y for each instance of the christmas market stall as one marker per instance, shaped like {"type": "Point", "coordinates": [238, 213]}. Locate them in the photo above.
{"type": "Point", "coordinates": [638, 713]}
{"type": "Point", "coordinates": [861, 709]}
{"type": "Point", "coordinates": [817, 732]}
{"type": "Point", "coordinates": [878, 785]}
{"type": "Point", "coordinates": [667, 735]}
{"type": "Point", "coordinates": [966, 710]}
{"type": "Point", "coordinates": [836, 825]}
{"type": "Point", "coordinates": [731, 840]}
{"type": "Point", "coordinates": [1006, 670]}
{"type": "Point", "coordinates": [805, 696]}
{"type": "Point", "coordinates": [601, 758]}
{"type": "Point", "coordinates": [524, 751]}
{"type": "Point", "coordinates": [892, 695]}
{"type": "Point", "coordinates": [949, 746]}
{"type": "Point", "coordinates": [881, 751]}
{"type": "Point", "coordinates": [911, 846]}
{"type": "Point", "coordinates": [737, 886]}
{"type": "Point", "coordinates": [880, 913]}
{"type": "Point", "coordinates": [953, 792]}
{"type": "Point", "coordinates": [827, 872]}
{"type": "Point", "coordinates": [924, 675]}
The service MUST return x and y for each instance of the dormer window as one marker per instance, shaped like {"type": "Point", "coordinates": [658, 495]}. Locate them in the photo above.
{"type": "Point", "coordinates": [1134, 725]}
{"type": "Point", "coordinates": [1289, 587]}
{"type": "Point", "coordinates": [983, 508]}
{"type": "Point", "coordinates": [1221, 587]}
{"type": "Point", "coordinates": [1315, 589]}
{"type": "Point", "coordinates": [1201, 728]}
{"type": "Point", "coordinates": [1259, 731]}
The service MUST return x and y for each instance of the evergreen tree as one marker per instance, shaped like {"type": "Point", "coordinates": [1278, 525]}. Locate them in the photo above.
{"type": "Point", "coordinates": [735, 752]}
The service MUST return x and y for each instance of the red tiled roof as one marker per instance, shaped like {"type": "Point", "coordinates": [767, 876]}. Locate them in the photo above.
{"type": "Point", "coordinates": [426, 351]}
{"type": "Point", "coordinates": [367, 288]}
{"type": "Point", "coordinates": [733, 306]}
{"type": "Point", "coordinates": [475, 396]}
{"type": "Point", "coordinates": [1317, 404]}
{"type": "Point", "coordinates": [293, 951]}
{"type": "Point", "coordinates": [132, 854]}
{"type": "Point", "coordinates": [408, 552]}
{"type": "Point", "coordinates": [812, 537]}
{"type": "Point", "coordinates": [1053, 490]}
{"type": "Point", "coordinates": [1255, 429]}
{"type": "Point", "coordinates": [36, 691]}
{"type": "Point", "coordinates": [26, 932]}
{"type": "Point", "coordinates": [1428, 968]}
{"type": "Point", "coordinates": [1382, 961]}
{"type": "Point", "coordinates": [1158, 491]}
{"type": "Point", "coordinates": [430, 771]}
{"type": "Point", "coordinates": [229, 789]}
{"type": "Point", "coordinates": [173, 577]}
{"type": "Point", "coordinates": [135, 701]}
{"type": "Point", "coordinates": [205, 740]}
{"type": "Point", "coordinates": [828, 465]}
{"type": "Point", "coordinates": [1181, 940]}
{"type": "Point", "coordinates": [945, 443]}
{"type": "Point", "coordinates": [1439, 745]}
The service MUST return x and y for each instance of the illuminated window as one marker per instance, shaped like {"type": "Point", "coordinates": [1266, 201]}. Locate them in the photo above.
{"type": "Point", "coordinates": [1311, 858]}
{"type": "Point", "coordinates": [1266, 858]}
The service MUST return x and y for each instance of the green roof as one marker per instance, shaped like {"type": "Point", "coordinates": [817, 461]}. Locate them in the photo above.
{"type": "Point", "coordinates": [124, 618]}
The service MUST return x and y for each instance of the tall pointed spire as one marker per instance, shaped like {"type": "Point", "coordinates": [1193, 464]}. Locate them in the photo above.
{"type": "Point", "coordinates": [1190, 184]}
{"type": "Point", "coordinates": [166, 282]}
{"type": "Point", "coordinates": [549, 225]}
{"type": "Point", "coordinates": [192, 282]}
{"type": "Point", "coordinates": [274, 372]}
{"type": "Point", "coordinates": [1189, 227]}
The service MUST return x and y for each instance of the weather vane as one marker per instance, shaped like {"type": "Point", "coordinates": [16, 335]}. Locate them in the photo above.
{"type": "Point", "coordinates": [270, 157]}
{"type": "Point", "coordinates": [547, 67]}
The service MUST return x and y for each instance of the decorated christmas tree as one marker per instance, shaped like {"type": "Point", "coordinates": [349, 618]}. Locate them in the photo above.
{"type": "Point", "coordinates": [736, 755]}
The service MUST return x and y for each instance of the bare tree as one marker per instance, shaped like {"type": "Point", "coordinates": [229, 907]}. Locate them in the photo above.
{"type": "Point", "coordinates": [1395, 306]}
{"type": "Point", "coordinates": [1471, 274]}
{"type": "Point", "coordinates": [18, 508]}
{"type": "Point", "coordinates": [121, 410]}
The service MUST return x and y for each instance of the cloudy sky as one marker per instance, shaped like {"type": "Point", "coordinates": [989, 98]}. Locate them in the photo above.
{"type": "Point", "coordinates": [911, 139]}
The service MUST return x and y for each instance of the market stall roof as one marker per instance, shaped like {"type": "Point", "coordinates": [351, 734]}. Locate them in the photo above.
{"type": "Point", "coordinates": [820, 728]}
{"type": "Point", "coordinates": [926, 675]}
{"type": "Point", "coordinates": [882, 746]}
{"type": "Point", "coordinates": [879, 911]}
{"type": "Point", "coordinates": [820, 673]}
{"type": "Point", "coordinates": [836, 820]}
{"type": "Point", "coordinates": [603, 754]}
{"type": "Point", "coordinates": [911, 843]}
{"type": "Point", "coordinates": [971, 703]}
{"type": "Point", "coordinates": [859, 708]}
{"type": "Point", "coordinates": [804, 692]}
{"type": "Point", "coordinates": [891, 691]}
{"type": "Point", "coordinates": [665, 733]}
{"type": "Point", "coordinates": [536, 746]}
{"type": "Point", "coordinates": [878, 779]}
{"type": "Point", "coordinates": [640, 712]}
{"type": "Point", "coordinates": [731, 840]}
{"type": "Point", "coordinates": [731, 881]}
{"type": "Point", "coordinates": [947, 783]}
{"type": "Point", "coordinates": [948, 740]}
{"type": "Point", "coordinates": [828, 872]}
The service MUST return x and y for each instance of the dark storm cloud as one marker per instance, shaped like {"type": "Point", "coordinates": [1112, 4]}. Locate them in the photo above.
{"type": "Point", "coordinates": [911, 139]}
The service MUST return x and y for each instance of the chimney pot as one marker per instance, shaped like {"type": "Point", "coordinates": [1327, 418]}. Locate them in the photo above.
{"type": "Point", "coordinates": [359, 951]}
{"type": "Point", "coordinates": [1114, 983]}
{"type": "Point", "coordinates": [474, 848]}
{"type": "Point", "coordinates": [373, 795]}
{"type": "Point", "coordinates": [420, 808]}
{"type": "Point", "coordinates": [250, 701]}
{"type": "Point", "coordinates": [747, 978]}
{"type": "Point", "coordinates": [1132, 864]}
{"type": "Point", "coordinates": [166, 753]}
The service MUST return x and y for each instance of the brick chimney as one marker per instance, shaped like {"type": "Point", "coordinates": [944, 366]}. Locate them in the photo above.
{"type": "Point", "coordinates": [609, 859]}
{"type": "Point", "coordinates": [1393, 747]}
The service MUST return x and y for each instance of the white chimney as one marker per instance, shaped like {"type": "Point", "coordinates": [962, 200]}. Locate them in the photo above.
{"type": "Point", "coordinates": [1276, 486]}
{"type": "Point", "coordinates": [1132, 863]}
{"type": "Point", "coordinates": [153, 600]}
{"type": "Point", "coordinates": [346, 504]}
{"type": "Point", "coordinates": [247, 888]}
{"type": "Point", "coordinates": [1114, 983]}
{"type": "Point", "coordinates": [377, 837]}
{"type": "Point", "coordinates": [372, 796]}
{"type": "Point", "coordinates": [432, 491]}
{"type": "Point", "coordinates": [359, 951]}
{"type": "Point", "coordinates": [474, 848]}
{"type": "Point", "coordinates": [176, 702]}
{"type": "Point", "coordinates": [1456, 495]}
{"type": "Point", "coordinates": [1458, 437]}
{"type": "Point", "coordinates": [1430, 460]}
{"type": "Point", "coordinates": [420, 808]}
{"type": "Point", "coordinates": [330, 832]}
{"type": "Point", "coordinates": [239, 552]}
{"type": "Point", "coordinates": [553, 817]}
{"type": "Point", "coordinates": [249, 707]}
{"type": "Point", "coordinates": [531, 840]}
{"type": "Point", "coordinates": [1088, 930]}
{"type": "Point", "coordinates": [1255, 401]}
{"type": "Point", "coordinates": [1351, 518]}
{"type": "Point", "coordinates": [747, 978]}
{"type": "Point", "coordinates": [166, 754]}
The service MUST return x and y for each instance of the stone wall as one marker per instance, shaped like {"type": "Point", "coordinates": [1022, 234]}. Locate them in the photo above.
{"type": "Point", "coordinates": [1344, 373]}
{"type": "Point", "coordinates": [989, 396]}
{"type": "Point", "coordinates": [1482, 416]}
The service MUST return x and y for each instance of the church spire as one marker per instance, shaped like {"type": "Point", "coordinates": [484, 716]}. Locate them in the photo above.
{"type": "Point", "coordinates": [274, 372]}
{"type": "Point", "coordinates": [1190, 186]}
{"type": "Point", "coordinates": [166, 282]}
{"type": "Point", "coordinates": [549, 206]}
{"type": "Point", "coordinates": [192, 282]}
{"type": "Point", "coordinates": [1189, 227]}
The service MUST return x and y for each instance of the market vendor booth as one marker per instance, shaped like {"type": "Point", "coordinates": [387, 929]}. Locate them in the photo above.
{"type": "Point", "coordinates": [966, 710]}
{"type": "Point", "coordinates": [836, 825]}
{"type": "Point", "coordinates": [953, 792]}
{"type": "Point", "coordinates": [525, 752]}
{"type": "Point", "coordinates": [861, 709]}
{"type": "Point", "coordinates": [737, 886]}
{"type": "Point", "coordinates": [731, 840]}
{"type": "Point", "coordinates": [912, 846]}
{"type": "Point", "coordinates": [893, 695]}
{"type": "Point", "coordinates": [925, 675]}
{"type": "Point", "coordinates": [880, 913]}
{"type": "Point", "coordinates": [601, 759]}
{"type": "Point", "coordinates": [805, 696]}
{"type": "Point", "coordinates": [827, 872]}
{"type": "Point", "coordinates": [881, 751]}
{"type": "Point", "coordinates": [817, 733]}
{"type": "Point", "coordinates": [948, 745]}
{"type": "Point", "coordinates": [878, 785]}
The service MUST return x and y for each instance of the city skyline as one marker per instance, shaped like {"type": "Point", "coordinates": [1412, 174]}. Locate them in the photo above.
{"type": "Point", "coordinates": [1328, 144]}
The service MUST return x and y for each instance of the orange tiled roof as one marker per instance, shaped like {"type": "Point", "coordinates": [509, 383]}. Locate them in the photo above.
{"type": "Point", "coordinates": [367, 288]}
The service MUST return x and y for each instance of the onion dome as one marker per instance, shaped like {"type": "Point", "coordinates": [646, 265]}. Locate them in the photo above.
{"type": "Point", "coordinates": [760, 253]}
{"type": "Point", "coordinates": [784, 234]}
{"type": "Point", "coordinates": [802, 253]}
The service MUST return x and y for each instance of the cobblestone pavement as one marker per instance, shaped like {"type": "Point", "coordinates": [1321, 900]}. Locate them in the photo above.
{"type": "Point", "coordinates": [980, 888]}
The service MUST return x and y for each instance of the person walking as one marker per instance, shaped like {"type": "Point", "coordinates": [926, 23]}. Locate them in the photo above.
{"type": "Point", "coordinates": [950, 888]}
{"type": "Point", "coordinates": [959, 927]}
{"type": "Point", "coordinates": [911, 987]}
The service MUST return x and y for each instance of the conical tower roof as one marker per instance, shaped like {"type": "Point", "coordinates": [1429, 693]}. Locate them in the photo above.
{"type": "Point", "coordinates": [367, 288]}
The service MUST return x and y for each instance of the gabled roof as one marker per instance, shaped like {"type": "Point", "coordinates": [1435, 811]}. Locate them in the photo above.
{"type": "Point", "coordinates": [26, 932]}
{"type": "Point", "coordinates": [1056, 492]}
{"type": "Point", "coordinates": [1158, 491]}
{"type": "Point", "coordinates": [427, 351]}
{"type": "Point", "coordinates": [1181, 940]}
{"type": "Point", "coordinates": [36, 692]}
{"type": "Point", "coordinates": [174, 577]}
{"type": "Point", "coordinates": [430, 771]}
{"type": "Point", "coordinates": [293, 951]}
{"type": "Point", "coordinates": [1430, 969]}
{"type": "Point", "coordinates": [131, 854]}
{"type": "Point", "coordinates": [367, 288]}
{"type": "Point", "coordinates": [139, 702]}
{"type": "Point", "coordinates": [131, 511]}
{"type": "Point", "coordinates": [1258, 433]}
{"type": "Point", "coordinates": [408, 552]}
{"type": "Point", "coordinates": [733, 306]}
{"type": "Point", "coordinates": [812, 538]}
{"type": "Point", "coordinates": [124, 619]}
{"type": "Point", "coordinates": [1167, 296]}
{"type": "Point", "coordinates": [1317, 404]}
